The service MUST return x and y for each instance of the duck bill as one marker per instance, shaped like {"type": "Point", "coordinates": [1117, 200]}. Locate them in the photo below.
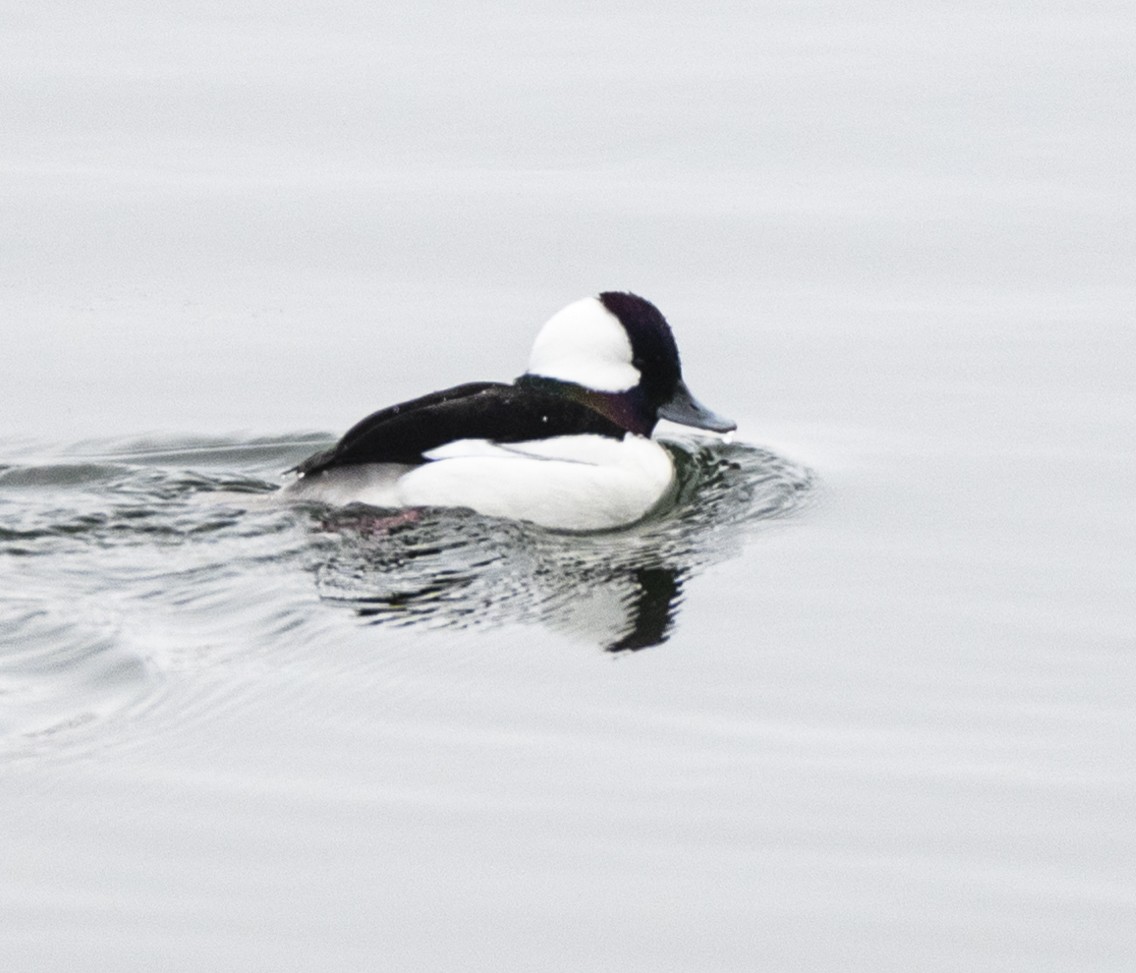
{"type": "Point", "coordinates": [685, 409]}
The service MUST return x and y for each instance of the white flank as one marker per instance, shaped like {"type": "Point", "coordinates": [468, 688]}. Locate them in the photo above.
{"type": "Point", "coordinates": [567, 482]}
{"type": "Point", "coordinates": [585, 343]}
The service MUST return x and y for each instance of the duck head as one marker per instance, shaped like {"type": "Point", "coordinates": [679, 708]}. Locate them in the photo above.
{"type": "Point", "coordinates": [616, 354]}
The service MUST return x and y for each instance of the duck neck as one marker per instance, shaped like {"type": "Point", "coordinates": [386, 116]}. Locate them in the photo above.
{"type": "Point", "coordinates": [626, 409]}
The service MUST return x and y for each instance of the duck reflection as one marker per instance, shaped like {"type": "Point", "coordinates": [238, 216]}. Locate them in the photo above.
{"type": "Point", "coordinates": [653, 609]}
{"type": "Point", "coordinates": [621, 612]}
{"type": "Point", "coordinates": [619, 590]}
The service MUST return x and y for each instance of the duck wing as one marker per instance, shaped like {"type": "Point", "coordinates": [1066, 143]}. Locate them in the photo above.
{"type": "Point", "coordinates": [493, 411]}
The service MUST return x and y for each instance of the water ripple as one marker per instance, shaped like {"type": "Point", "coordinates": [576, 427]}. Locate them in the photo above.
{"type": "Point", "coordinates": [130, 562]}
{"type": "Point", "coordinates": [622, 589]}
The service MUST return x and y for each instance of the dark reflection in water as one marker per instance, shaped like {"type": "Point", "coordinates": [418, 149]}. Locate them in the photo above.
{"type": "Point", "coordinates": [653, 612]}
{"type": "Point", "coordinates": [620, 589]}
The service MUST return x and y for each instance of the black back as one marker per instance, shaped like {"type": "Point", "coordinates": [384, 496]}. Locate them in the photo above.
{"type": "Point", "coordinates": [479, 410]}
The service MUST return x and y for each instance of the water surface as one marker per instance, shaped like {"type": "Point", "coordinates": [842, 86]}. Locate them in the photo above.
{"type": "Point", "coordinates": [862, 703]}
{"type": "Point", "coordinates": [105, 534]}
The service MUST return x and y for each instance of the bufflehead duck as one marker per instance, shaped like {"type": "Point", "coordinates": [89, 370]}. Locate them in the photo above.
{"type": "Point", "coordinates": [567, 445]}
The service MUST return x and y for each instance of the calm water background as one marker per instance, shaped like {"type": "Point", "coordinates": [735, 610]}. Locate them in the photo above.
{"type": "Point", "coordinates": [893, 726]}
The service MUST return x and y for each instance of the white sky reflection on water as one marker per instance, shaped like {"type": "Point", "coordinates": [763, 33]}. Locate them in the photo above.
{"type": "Point", "coordinates": [894, 732]}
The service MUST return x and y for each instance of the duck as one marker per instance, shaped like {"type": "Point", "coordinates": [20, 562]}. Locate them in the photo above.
{"type": "Point", "coordinates": [567, 446]}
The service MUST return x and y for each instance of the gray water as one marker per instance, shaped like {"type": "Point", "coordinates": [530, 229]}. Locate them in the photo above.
{"type": "Point", "coordinates": [860, 700]}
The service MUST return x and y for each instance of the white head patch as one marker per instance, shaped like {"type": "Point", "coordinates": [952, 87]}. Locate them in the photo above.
{"type": "Point", "coordinates": [585, 343]}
